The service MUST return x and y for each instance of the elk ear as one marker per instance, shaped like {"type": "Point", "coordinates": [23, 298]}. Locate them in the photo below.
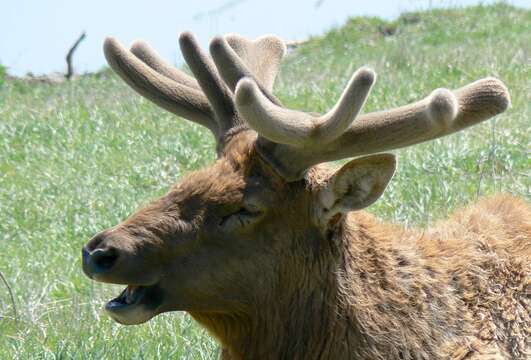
{"type": "Point", "coordinates": [356, 185]}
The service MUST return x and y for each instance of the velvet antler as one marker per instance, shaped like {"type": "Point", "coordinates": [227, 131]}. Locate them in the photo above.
{"type": "Point", "coordinates": [234, 88]}
{"type": "Point", "coordinates": [293, 141]}
{"type": "Point", "coordinates": [171, 89]}
{"type": "Point", "coordinates": [208, 99]}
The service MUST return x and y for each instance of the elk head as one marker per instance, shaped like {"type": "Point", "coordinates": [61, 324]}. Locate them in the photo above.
{"type": "Point", "coordinates": [217, 240]}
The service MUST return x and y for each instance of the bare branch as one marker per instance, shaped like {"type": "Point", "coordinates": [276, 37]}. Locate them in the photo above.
{"type": "Point", "coordinates": [70, 55]}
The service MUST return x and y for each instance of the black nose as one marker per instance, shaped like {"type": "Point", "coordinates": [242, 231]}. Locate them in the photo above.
{"type": "Point", "coordinates": [98, 261]}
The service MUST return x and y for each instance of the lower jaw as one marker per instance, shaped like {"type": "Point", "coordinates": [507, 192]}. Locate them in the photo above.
{"type": "Point", "coordinates": [130, 314]}
{"type": "Point", "coordinates": [133, 317]}
{"type": "Point", "coordinates": [141, 308]}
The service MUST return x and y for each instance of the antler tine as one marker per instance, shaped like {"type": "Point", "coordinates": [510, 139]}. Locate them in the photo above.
{"type": "Point", "coordinates": [232, 67]}
{"type": "Point", "coordinates": [261, 56]}
{"type": "Point", "coordinates": [298, 128]}
{"type": "Point", "coordinates": [440, 114]}
{"type": "Point", "coordinates": [217, 92]}
{"type": "Point", "coordinates": [149, 56]}
{"type": "Point", "coordinates": [178, 98]}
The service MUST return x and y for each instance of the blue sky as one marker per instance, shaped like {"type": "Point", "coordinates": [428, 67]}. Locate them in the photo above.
{"type": "Point", "coordinates": [36, 34]}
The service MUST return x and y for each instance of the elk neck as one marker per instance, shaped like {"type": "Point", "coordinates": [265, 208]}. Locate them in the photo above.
{"type": "Point", "coordinates": [341, 297]}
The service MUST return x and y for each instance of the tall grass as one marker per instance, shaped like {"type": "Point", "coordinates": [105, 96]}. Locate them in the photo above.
{"type": "Point", "coordinates": [79, 157]}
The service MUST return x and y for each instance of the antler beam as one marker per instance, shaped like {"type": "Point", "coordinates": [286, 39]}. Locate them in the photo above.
{"type": "Point", "coordinates": [150, 57]}
{"type": "Point", "coordinates": [234, 87]}
{"type": "Point", "coordinates": [207, 99]}
{"type": "Point", "coordinates": [297, 128]}
{"type": "Point", "coordinates": [217, 92]}
{"type": "Point", "coordinates": [179, 97]}
{"type": "Point", "coordinates": [293, 141]}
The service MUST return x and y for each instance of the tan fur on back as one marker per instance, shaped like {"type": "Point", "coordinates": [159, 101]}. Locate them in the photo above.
{"type": "Point", "coordinates": [455, 291]}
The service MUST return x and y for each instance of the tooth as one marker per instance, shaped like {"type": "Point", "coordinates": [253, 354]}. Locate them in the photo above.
{"type": "Point", "coordinates": [129, 294]}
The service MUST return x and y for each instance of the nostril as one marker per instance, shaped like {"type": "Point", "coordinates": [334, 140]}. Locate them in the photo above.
{"type": "Point", "coordinates": [97, 240]}
{"type": "Point", "coordinates": [103, 259]}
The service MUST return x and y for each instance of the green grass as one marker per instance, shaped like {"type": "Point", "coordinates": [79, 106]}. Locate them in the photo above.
{"type": "Point", "coordinates": [79, 157]}
{"type": "Point", "coordinates": [2, 75]}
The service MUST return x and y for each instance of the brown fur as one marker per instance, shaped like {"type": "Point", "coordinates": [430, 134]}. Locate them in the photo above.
{"type": "Point", "coordinates": [284, 288]}
{"type": "Point", "coordinates": [275, 264]}
{"type": "Point", "coordinates": [376, 291]}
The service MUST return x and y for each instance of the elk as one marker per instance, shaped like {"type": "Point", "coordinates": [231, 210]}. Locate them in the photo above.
{"type": "Point", "coordinates": [270, 249]}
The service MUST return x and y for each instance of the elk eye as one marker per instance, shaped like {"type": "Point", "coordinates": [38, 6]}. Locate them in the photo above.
{"type": "Point", "coordinates": [242, 218]}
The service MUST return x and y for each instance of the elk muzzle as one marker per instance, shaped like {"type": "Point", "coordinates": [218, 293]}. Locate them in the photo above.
{"type": "Point", "coordinates": [98, 261]}
{"type": "Point", "coordinates": [99, 258]}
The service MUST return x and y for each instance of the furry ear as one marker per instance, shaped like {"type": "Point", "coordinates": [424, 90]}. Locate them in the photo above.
{"type": "Point", "coordinates": [356, 185]}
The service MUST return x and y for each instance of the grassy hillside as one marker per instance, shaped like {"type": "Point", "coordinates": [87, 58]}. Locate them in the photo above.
{"type": "Point", "coordinates": [79, 157]}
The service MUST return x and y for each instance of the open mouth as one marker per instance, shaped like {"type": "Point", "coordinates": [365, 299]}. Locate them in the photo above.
{"type": "Point", "coordinates": [130, 296]}
{"type": "Point", "coordinates": [135, 304]}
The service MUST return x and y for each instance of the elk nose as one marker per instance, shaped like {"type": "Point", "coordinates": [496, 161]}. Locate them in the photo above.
{"type": "Point", "coordinates": [98, 261]}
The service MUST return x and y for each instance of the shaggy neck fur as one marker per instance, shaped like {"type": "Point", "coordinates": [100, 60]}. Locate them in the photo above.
{"type": "Point", "coordinates": [297, 318]}
{"type": "Point", "coordinates": [369, 290]}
